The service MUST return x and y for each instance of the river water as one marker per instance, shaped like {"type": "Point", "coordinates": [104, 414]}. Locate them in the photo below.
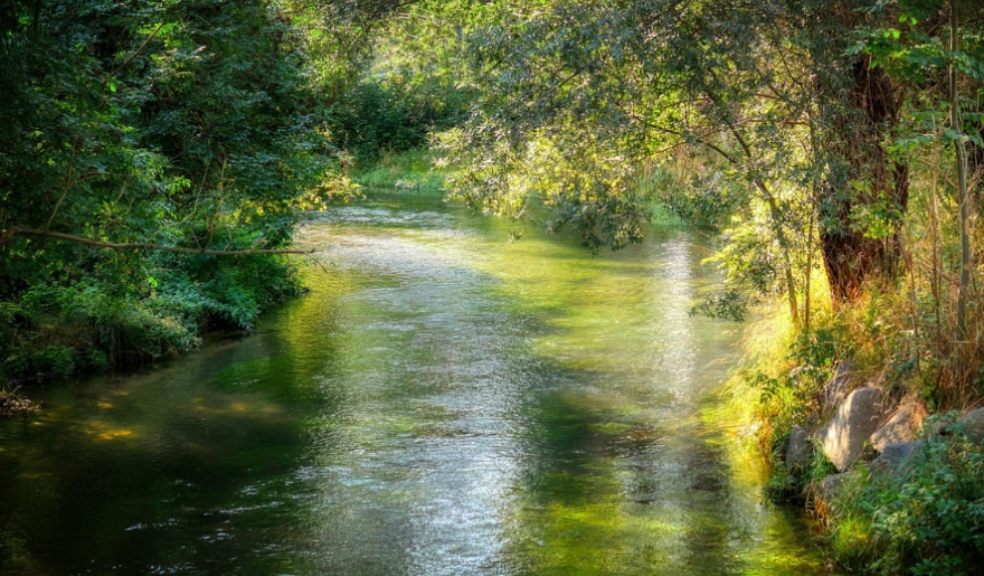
{"type": "Point", "coordinates": [444, 401]}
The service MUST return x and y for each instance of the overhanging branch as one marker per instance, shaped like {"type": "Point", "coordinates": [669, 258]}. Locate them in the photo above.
{"type": "Point", "coordinates": [10, 233]}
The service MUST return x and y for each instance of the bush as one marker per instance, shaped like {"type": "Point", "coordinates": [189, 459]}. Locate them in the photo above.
{"type": "Point", "coordinates": [55, 331]}
{"type": "Point", "coordinates": [926, 520]}
{"type": "Point", "coordinates": [697, 198]}
{"type": "Point", "coordinates": [790, 395]}
{"type": "Point", "coordinates": [379, 117]}
{"type": "Point", "coordinates": [411, 171]}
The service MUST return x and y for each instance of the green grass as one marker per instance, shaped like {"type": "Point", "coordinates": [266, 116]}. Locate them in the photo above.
{"type": "Point", "coordinates": [411, 171]}
{"type": "Point", "coordinates": [661, 215]}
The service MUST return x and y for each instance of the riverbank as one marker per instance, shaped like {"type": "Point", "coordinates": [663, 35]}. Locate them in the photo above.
{"type": "Point", "coordinates": [65, 330]}
{"type": "Point", "coordinates": [12, 403]}
{"type": "Point", "coordinates": [893, 474]}
{"type": "Point", "coordinates": [59, 330]}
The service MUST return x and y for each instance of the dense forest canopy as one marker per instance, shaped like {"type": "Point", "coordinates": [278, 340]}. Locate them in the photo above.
{"type": "Point", "coordinates": [175, 126]}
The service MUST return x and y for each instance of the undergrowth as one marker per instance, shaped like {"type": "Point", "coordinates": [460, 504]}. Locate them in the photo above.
{"type": "Point", "coordinates": [411, 171]}
{"type": "Point", "coordinates": [926, 520]}
{"type": "Point", "coordinates": [104, 321]}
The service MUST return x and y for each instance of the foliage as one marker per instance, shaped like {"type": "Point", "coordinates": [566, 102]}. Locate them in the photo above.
{"type": "Point", "coordinates": [927, 520]}
{"type": "Point", "coordinates": [792, 395]}
{"type": "Point", "coordinates": [694, 191]}
{"type": "Point", "coordinates": [826, 141]}
{"type": "Point", "coordinates": [178, 124]}
{"type": "Point", "coordinates": [414, 81]}
{"type": "Point", "coordinates": [412, 171]}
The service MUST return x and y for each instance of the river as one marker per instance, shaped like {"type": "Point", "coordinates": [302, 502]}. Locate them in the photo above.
{"type": "Point", "coordinates": [446, 400]}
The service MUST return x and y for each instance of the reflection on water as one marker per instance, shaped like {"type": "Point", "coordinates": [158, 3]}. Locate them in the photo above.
{"type": "Point", "coordinates": [443, 402]}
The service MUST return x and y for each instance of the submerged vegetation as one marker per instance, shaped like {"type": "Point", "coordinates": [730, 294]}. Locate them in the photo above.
{"type": "Point", "coordinates": [155, 158]}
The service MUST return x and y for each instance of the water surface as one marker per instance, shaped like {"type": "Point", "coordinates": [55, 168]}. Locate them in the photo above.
{"type": "Point", "coordinates": [444, 401]}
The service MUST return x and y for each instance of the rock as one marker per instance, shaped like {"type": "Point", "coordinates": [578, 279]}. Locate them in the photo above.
{"type": "Point", "coordinates": [903, 426]}
{"type": "Point", "coordinates": [12, 404]}
{"type": "Point", "coordinates": [972, 425]}
{"type": "Point", "coordinates": [894, 456]}
{"type": "Point", "coordinates": [842, 439]}
{"type": "Point", "coordinates": [940, 425]}
{"type": "Point", "coordinates": [831, 486]}
{"type": "Point", "coordinates": [799, 449]}
{"type": "Point", "coordinates": [892, 460]}
{"type": "Point", "coordinates": [836, 389]}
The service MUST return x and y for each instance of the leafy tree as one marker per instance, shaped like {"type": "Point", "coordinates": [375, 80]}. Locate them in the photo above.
{"type": "Point", "coordinates": [774, 94]}
{"type": "Point", "coordinates": [142, 144]}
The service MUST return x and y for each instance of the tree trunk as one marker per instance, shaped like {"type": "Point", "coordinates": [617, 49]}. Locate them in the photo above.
{"type": "Point", "coordinates": [862, 178]}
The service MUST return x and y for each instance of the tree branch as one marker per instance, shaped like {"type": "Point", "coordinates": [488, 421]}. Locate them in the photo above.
{"type": "Point", "coordinates": [136, 52]}
{"type": "Point", "coordinates": [10, 233]}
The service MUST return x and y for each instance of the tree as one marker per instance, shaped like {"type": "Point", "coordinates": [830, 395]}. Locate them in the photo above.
{"type": "Point", "coordinates": [778, 91]}
{"type": "Point", "coordinates": [152, 158]}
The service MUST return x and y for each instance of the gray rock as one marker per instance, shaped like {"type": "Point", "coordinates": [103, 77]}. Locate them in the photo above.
{"type": "Point", "coordinates": [799, 449]}
{"type": "Point", "coordinates": [837, 388]}
{"type": "Point", "coordinates": [842, 439]}
{"type": "Point", "coordinates": [830, 487]}
{"type": "Point", "coordinates": [894, 456]}
{"type": "Point", "coordinates": [940, 425]}
{"type": "Point", "coordinates": [903, 426]}
{"type": "Point", "coordinates": [972, 424]}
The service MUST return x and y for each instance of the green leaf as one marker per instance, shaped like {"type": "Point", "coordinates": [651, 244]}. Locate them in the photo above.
{"type": "Point", "coordinates": [952, 135]}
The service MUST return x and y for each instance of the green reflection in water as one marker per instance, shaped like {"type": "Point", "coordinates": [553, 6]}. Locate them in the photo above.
{"type": "Point", "coordinates": [444, 401]}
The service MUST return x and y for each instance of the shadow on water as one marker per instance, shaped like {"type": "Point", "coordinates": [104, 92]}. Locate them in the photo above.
{"type": "Point", "coordinates": [444, 401]}
{"type": "Point", "coordinates": [189, 455]}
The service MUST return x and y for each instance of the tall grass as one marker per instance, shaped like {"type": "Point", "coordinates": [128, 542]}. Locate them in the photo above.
{"type": "Point", "coordinates": [412, 171]}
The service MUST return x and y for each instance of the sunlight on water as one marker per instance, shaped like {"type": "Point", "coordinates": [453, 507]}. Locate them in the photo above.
{"type": "Point", "coordinates": [444, 401]}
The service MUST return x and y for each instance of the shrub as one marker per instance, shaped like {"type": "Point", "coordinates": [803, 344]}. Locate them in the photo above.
{"type": "Point", "coordinates": [55, 331]}
{"type": "Point", "coordinates": [926, 520]}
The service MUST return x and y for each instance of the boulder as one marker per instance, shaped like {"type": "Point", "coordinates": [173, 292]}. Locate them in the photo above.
{"type": "Point", "coordinates": [972, 424]}
{"type": "Point", "coordinates": [842, 439]}
{"type": "Point", "coordinates": [837, 388]}
{"type": "Point", "coordinates": [940, 425]}
{"type": "Point", "coordinates": [903, 426]}
{"type": "Point", "coordinates": [799, 449]}
{"type": "Point", "coordinates": [894, 456]}
{"type": "Point", "coordinates": [831, 486]}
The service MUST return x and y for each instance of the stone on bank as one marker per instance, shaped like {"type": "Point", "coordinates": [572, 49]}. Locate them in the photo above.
{"type": "Point", "coordinates": [903, 426]}
{"type": "Point", "coordinates": [842, 439]}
